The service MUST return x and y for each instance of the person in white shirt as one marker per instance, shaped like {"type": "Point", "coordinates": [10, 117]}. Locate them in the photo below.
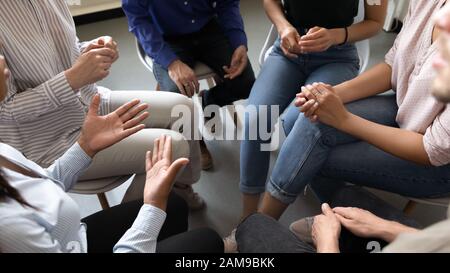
{"type": "Point", "coordinates": [36, 214]}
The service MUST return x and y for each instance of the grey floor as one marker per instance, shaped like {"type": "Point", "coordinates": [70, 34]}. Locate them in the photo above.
{"type": "Point", "coordinates": [219, 187]}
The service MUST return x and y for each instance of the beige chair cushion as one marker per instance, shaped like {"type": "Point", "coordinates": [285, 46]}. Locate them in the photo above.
{"type": "Point", "coordinates": [99, 185]}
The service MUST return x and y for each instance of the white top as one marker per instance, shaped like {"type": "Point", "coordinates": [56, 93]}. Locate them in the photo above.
{"type": "Point", "coordinates": [56, 226]}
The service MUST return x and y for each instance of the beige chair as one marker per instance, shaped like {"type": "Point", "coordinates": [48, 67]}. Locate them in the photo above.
{"type": "Point", "coordinates": [100, 187]}
{"type": "Point", "coordinates": [413, 202]}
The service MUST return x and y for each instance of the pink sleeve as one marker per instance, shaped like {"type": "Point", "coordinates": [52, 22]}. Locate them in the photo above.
{"type": "Point", "coordinates": [390, 56]}
{"type": "Point", "coordinates": [437, 139]}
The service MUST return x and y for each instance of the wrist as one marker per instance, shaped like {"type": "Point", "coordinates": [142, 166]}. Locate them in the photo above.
{"type": "Point", "coordinates": [338, 36]}
{"type": "Point", "coordinates": [330, 247]}
{"type": "Point", "coordinates": [160, 204]}
{"type": "Point", "coordinates": [390, 230]}
{"type": "Point", "coordinates": [345, 122]}
{"type": "Point", "coordinates": [72, 79]}
{"type": "Point", "coordinates": [83, 144]}
{"type": "Point", "coordinates": [173, 64]}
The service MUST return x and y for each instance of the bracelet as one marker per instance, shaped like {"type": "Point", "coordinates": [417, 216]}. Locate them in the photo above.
{"type": "Point", "coordinates": [346, 37]}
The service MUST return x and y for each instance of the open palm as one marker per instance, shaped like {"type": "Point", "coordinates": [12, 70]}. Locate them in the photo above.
{"type": "Point", "coordinates": [101, 132]}
{"type": "Point", "coordinates": [161, 172]}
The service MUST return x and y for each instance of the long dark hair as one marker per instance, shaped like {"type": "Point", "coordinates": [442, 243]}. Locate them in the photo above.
{"type": "Point", "coordinates": [6, 190]}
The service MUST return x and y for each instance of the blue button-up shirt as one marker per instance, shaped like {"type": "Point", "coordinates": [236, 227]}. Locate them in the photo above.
{"type": "Point", "coordinates": [150, 20]}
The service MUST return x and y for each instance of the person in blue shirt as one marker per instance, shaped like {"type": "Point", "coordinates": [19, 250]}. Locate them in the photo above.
{"type": "Point", "coordinates": [177, 34]}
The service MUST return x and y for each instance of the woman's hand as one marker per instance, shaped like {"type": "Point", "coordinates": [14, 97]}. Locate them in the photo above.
{"type": "Point", "coordinates": [101, 132]}
{"type": "Point", "coordinates": [161, 172]}
{"type": "Point", "coordinates": [326, 231]}
{"type": "Point", "coordinates": [321, 39]}
{"type": "Point", "coordinates": [365, 224]}
{"type": "Point", "coordinates": [104, 42]}
{"type": "Point", "coordinates": [328, 106]}
{"type": "Point", "coordinates": [289, 42]}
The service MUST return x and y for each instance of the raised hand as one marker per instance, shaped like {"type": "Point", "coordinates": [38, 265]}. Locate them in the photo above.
{"type": "Point", "coordinates": [101, 132]}
{"type": "Point", "coordinates": [161, 172]}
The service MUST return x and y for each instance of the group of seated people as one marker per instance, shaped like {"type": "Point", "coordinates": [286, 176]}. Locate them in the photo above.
{"type": "Point", "coordinates": [59, 129]}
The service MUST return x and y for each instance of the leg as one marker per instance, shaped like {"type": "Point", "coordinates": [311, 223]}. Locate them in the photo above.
{"type": "Point", "coordinates": [333, 74]}
{"type": "Point", "coordinates": [307, 148]}
{"type": "Point", "coordinates": [162, 104]}
{"type": "Point", "coordinates": [275, 87]}
{"type": "Point", "coordinates": [215, 51]}
{"type": "Point", "coordinates": [262, 234]}
{"type": "Point", "coordinates": [105, 228]}
{"type": "Point", "coordinates": [197, 241]}
{"type": "Point", "coordinates": [353, 196]}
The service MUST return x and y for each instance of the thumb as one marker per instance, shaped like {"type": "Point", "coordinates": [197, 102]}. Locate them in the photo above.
{"type": "Point", "coordinates": [327, 211]}
{"type": "Point", "coordinates": [101, 41]}
{"type": "Point", "coordinates": [95, 105]}
{"type": "Point", "coordinates": [176, 166]}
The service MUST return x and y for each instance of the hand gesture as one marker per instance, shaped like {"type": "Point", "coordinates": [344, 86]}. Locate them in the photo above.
{"type": "Point", "coordinates": [239, 62]}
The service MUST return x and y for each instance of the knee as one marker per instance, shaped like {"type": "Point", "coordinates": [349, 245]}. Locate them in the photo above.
{"type": "Point", "coordinates": [180, 146]}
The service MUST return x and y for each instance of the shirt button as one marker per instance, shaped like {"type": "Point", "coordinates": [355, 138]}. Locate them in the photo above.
{"type": "Point", "coordinates": [185, 3]}
{"type": "Point", "coordinates": [193, 21]}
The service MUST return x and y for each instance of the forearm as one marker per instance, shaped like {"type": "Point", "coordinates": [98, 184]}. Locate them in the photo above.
{"type": "Point", "coordinates": [330, 247]}
{"type": "Point", "coordinates": [373, 82]}
{"type": "Point", "coordinates": [274, 11]}
{"type": "Point", "coordinates": [391, 230]}
{"type": "Point", "coordinates": [372, 23]}
{"type": "Point", "coordinates": [404, 144]}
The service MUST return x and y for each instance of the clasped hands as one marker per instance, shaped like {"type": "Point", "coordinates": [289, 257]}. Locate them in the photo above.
{"type": "Point", "coordinates": [320, 102]}
{"type": "Point", "coordinates": [94, 63]}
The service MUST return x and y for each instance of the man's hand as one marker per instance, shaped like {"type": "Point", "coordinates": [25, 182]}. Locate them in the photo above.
{"type": "Point", "coordinates": [320, 39]}
{"type": "Point", "coordinates": [101, 132]}
{"type": "Point", "coordinates": [161, 172]}
{"type": "Point", "coordinates": [239, 62]}
{"type": "Point", "coordinates": [104, 42]}
{"type": "Point", "coordinates": [184, 77]}
{"type": "Point", "coordinates": [326, 231]}
{"type": "Point", "coordinates": [90, 67]}
{"type": "Point", "coordinates": [365, 224]}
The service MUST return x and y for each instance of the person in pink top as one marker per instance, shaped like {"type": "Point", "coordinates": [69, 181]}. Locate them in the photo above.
{"type": "Point", "coordinates": [350, 133]}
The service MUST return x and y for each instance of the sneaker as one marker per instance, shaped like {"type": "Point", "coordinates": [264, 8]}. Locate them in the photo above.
{"type": "Point", "coordinates": [230, 244]}
{"type": "Point", "coordinates": [207, 161]}
{"type": "Point", "coordinates": [303, 229]}
{"type": "Point", "coordinates": [194, 201]}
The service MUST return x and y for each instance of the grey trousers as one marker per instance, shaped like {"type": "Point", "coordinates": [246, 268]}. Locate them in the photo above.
{"type": "Point", "coordinates": [262, 234]}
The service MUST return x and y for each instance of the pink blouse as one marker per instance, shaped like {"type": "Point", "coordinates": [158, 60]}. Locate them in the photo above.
{"type": "Point", "coordinates": [411, 59]}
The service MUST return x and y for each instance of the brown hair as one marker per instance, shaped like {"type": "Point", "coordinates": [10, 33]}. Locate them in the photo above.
{"type": "Point", "coordinates": [6, 190]}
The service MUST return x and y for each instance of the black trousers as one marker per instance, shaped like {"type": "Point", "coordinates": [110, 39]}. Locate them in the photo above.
{"type": "Point", "coordinates": [262, 234]}
{"type": "Point", "coordinates": [105, 228]}
{"type": "Point", "coordinates": [211, 47]}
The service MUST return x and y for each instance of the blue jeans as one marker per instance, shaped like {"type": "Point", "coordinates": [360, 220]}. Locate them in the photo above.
{"type": "Point", "coordinates": [278, 83]}
{"type": "Point", "coordinates": [318, 151]}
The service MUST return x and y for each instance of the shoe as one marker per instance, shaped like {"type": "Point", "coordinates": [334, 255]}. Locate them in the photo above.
{"type": "Point", "coordinates": [303, 229]}
{"type": "Point", "coordinates": [230, 244]}
{"type": "Point", "coordinates": [207, 161]}
{"type": "Point", "coordinates": [194, 201]}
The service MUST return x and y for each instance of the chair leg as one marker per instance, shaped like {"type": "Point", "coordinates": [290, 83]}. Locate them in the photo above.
{"type": "Point", "coordinates": [211, 82]}
{"type": "Point", "coordinates": [409, 208]}
{"type": "Point", "coordinates": [103, 200]}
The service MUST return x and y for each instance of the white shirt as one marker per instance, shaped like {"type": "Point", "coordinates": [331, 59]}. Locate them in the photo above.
{"type": "Point", "coordinates": [56, 225]}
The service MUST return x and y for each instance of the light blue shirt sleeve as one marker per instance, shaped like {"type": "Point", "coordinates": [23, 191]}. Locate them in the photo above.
{"type": "Point", "coordinates": [143, 235]}
{"type": "Point", "coordinates": [69, 167]}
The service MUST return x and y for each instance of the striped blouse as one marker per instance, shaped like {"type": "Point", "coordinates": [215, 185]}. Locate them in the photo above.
{"type": "Point", "coordinates": [42, 115]}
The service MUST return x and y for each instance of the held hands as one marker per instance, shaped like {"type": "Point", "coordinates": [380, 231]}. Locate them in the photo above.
{"type": "Point", "coordinates": [184, 77]}
{"type": "Point", "coordinates": [94, 63]}
{"type": "Point", "coordinates": [239, 62]}
{"type": "Point", "coordinates": [319, 102]}
{"type": "Point", "coordinates": [326, 231]}
{"type": "Point", "coordinates": [101, 132]}
{"type": "Point", "coordinates": [161, 172]}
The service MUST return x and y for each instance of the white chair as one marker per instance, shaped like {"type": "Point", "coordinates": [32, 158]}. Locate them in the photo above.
{"type": "Point", "coordinates": [100, 187]}
{"type": "Point", "coordinates": [362, 46]}
{"type": "Point", "coordinates": [413, 202]}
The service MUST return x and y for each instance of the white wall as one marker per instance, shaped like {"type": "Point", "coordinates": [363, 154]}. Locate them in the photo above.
{"type": "Point", "coordinates": [91, 6]}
